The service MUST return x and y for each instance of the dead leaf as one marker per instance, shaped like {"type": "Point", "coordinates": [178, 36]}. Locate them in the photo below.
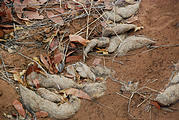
{"type": "Point", "coordinates": [36, 83]}
{"type": "Point", "coordinates": [31, 68]}
{"type": "Point", "coordinates": [154, 103]}
{"type": "Point", "coordinates": [33, 15]}
{"type": "Point", "coordinates": [55, 18]}
{"type": "Point", "coordinates": [132, 19]}
{"type": "Point", "coordinates": [44, 61]}
{"type": "Point", "coordinates": [58, 58]}
{"type": "Point", "coordinates": [54, 44]}
{"type": "Point", "coordinates": [78, 93]}
{"type": "Point", "coordinates": [1, 33]}
{"type": "Point", "coordinates": [72, 45]}
{"type": "Point", "coordinates": [18, 106]}
{"type": "Point", "coordinates": [79, 39]}
{"type": "Point", "coordinates": [73, 58]}
{"type": "Point", "coordinates": [41, 114]}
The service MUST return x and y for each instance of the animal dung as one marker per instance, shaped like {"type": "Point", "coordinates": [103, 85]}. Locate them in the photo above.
{"type": "Point", "coordinates": [85, 71]}
{"type": "Point", "coordinates": [100, 42]}
{"type": "Point", "coordinates": [118, 29]}
{"type": "Point", "coordinates": [111, 15]}
{"type": "Point", "coordinates": [101, 71]}
{"type": "Point", "coordinates": [37, 103]}
{"type": "Point", "coordinates": [132, 43]}
{"type": "Point", "coordinates": [114, 42]}
{"type": "Point", "coordinates": [128, 10]}
{"type": "Point", "coordinates": [171, 94]}
{"type": "Point", "coordinates": [175, 79]}
{"type": "Point", "coordinates": [95, 90]}
{"type": "Point", "coordinates": [46, 94]}
{"type": "Point", "coordinates": [51, 81]}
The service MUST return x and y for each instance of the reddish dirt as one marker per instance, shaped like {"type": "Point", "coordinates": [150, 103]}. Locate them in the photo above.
{"type": "Point", "coordinates": [160, 19]}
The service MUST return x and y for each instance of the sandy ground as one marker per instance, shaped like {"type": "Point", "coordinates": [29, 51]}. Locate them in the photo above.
{"type": "Point", "coordinates": [160, 19]}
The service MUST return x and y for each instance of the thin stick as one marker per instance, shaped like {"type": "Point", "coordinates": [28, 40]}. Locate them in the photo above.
{"type": "Point", "coordinates": [87, 30]}
{"type": "Point", "coordinates": [123, 95]}
{"type": "Point", "coordinates": [33, 61]}
{"type": "Point", "coordinates": [88, 25]}
{"type": "Point", "coordinates": [144, 101]}
{"type": "Point", "coordinates": [4, 67]}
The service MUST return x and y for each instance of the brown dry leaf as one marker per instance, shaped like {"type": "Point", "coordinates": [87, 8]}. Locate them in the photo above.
{"type": "Point", "coordinates": [78, 93]}
{"type": "Point", "coordinates": [60, 10]}
{"type": "Point", "coordinates": [5, 12]}
{"type": "Point", "coordinates": [55, 18]}
{"type": "Point", "coordinates": [58, 58]}
{"type": "Point", "coordinates": [73, 58]}
{"type": "Point", "coordinates": [31, 68]}
{"type": "Point", "coordinates": [54, 44]}
{"type": "Point", "coordinates": [44, 61]}
{"type": "Point", "coordinates": [79, 39]}
{"type": "Point", "coordinates": [154, 103]}
{"type": "Point", "coordinates": [18, 106]}
{"type": "Point", "coordinates": [41, 114]}
{"type": "Point", "coordinates": [29, 4]}
{"type": "Point", "coordinates": [36, 83]}
{"type": "Point", "coordinates": [1, 33]}
{"type": "Point", "coordinates": [33, 15]}
{"type": "Point", "coordinates": [132, 19]}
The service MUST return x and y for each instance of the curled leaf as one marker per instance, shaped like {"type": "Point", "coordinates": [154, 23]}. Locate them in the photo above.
{"type": "Point", "coordinates": [79, 39]}
{"type": "Point", "coordinates": [41, 114]}
{"type": "Point", "coordinates": [18, 106]}
{"type": "Point", "coordinates": [55, 18]}
{"type": "Point", "coordinates": [33, 15]}
{"type": "Point", "coordinates": [154, 103]}
{"type": "Point", "coordinates": [78, 93]}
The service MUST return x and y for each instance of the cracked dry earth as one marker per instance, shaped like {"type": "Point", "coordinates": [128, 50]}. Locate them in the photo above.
{"type": "Point", "coordinates": [160, 19]}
